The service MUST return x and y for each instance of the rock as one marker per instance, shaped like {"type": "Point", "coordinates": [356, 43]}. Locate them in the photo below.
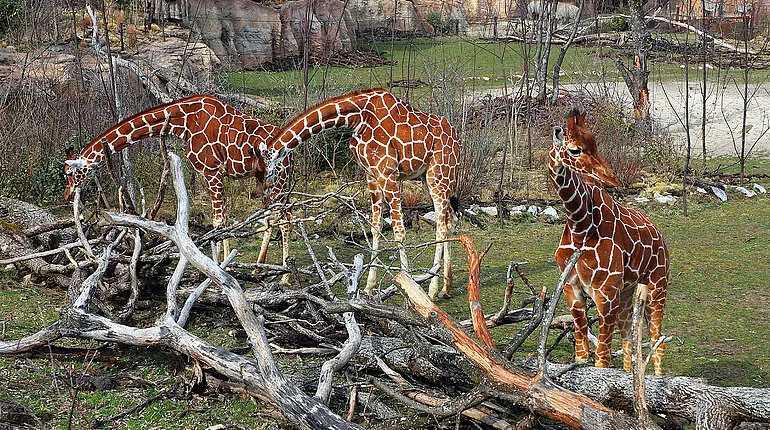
{"type": "Point", "coordinates": [518, 209]}
{"type": "Point", "coordinates": [664, 199]}
{"type": "Point", "coordinates": [720, 193]}
{"type": "Point", "coordinates": [196, 61]}
{"type": "Point", "coordinates": [747, 193]}
{"type": "Point", "coordinates": [701, 190]}
{"type": "Point", "coordinates": [371, 15]}
{"type": "Point", "coordinates": [489, 210]}
{"type": "Point", "coordinates": [640, 199]}
{"type": "Point", "coordinates": [760, 189]}
{"type": "Point", "coordinates": [332, 27]}
{"type": "Point", "coordinates": [245, 34]}
{"type": "Point", "coordinates": [430, 216]}
{"type": "Point", "coordinates": [533, 210]}
{"type": "Point", "coordinates": [388, 220]}
{"type": "Point", "coordinates": [551, 212]}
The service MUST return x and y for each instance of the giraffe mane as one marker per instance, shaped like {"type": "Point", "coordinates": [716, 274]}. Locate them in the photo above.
{"type": "Point", "coordinates": [301, 117]}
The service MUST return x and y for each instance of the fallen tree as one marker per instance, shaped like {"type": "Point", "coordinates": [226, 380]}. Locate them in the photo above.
{"type": "Point", "coordinates": [420, 357]}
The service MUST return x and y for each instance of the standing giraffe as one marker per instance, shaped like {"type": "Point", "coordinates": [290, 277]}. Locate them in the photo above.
{"type": "Point", "coordinates": [621, 247]}
{"type": "Point", "coordinates": [221, 141]}
{"type": "Point", "coordinates": [391, 141]}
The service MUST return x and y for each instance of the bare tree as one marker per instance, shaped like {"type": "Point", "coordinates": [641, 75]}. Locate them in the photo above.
{"type": "Point", "coordinates": [636, 76]}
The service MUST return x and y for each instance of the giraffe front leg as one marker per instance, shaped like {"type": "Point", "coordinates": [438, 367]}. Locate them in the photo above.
{"type": "Point", "coordinates": [218, 214]}
{"type": "Point", "coordinates": [577, 306]}
{"type": "Point", "coordinates": [606, 298]}
{"type": "Point", "coordinates": [376, 198]}
{"type": "Point", "coordinates": [392, 193]}
{"type": "Point", "coordinates": [263, 248]}
{"type": "Point", "coordinates": [285, 231]}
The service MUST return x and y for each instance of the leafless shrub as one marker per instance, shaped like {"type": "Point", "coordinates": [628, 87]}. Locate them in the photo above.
{"type": "Point", "coordinates": [476, 173]}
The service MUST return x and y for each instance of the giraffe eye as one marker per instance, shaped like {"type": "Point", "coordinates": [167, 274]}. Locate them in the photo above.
{"type": "Point", "coordinates": [575, 152]}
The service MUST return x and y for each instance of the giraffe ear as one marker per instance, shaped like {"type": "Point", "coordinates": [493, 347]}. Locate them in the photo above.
{"type": "Point", "coordinates": [576, 118]}
{"type": "Point", "coordinates": [75, 164]}
{"type": "Point", "coordinates": [70, 153]}
{"type": "Point", "coordinates": [580, 119]}
{"type": "Point", "coordinates": [558, 136]}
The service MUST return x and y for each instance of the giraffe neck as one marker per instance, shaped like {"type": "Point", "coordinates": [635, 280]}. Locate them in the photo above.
{"type": "Point", "coordinates": [575, 194]}
{"type": "Point", "coordinates": [171, 118]}
{"type": "Point", "coordinates": [340, 112]}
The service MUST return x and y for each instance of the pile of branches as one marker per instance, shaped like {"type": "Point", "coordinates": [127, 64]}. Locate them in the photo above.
{"type": "Point", "coordinates": [439, 371]}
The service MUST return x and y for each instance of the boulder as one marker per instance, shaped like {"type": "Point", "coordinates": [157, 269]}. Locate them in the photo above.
{"type": "Point", "coordinates": [404, 15]}
{"type": "Point", "coordinates": [664, 199]}
{"type": "Point", "coordinates": [194, 60]}
{"type": "Point", "coordinates": [332, 27]}
{"type": "Point", "coordinates": [489, 210]}
{"type": "Point", "coordinates": [551, 212]}
{"type": "Point", "coordinates": [245, 34]}
{"type": "Point", "coordinates": [720, 193]}
{"type": "Point", "coordinates": [746, 192]}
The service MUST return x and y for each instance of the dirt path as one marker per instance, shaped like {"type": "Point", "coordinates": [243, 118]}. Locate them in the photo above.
{"type": "Point", "coordinates": [724, 111]}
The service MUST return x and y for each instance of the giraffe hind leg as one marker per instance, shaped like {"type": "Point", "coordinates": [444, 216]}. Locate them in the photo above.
{"type": "Point", "coordinates": [577, 306]}
{"type": "Point", "coordinates": [625, 317]}
{"type": "Point", "coordinates": [656, 300]}
{"type": "Point", "coordinates": [440, 197]}
{"type": "Point", "coordinates": [376, 198]}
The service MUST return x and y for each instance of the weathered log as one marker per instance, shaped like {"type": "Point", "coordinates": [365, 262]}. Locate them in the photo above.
{"type": "Point", "coordinates": [710, 407]}
{"type": "Point", "coordinates": [540, 395]}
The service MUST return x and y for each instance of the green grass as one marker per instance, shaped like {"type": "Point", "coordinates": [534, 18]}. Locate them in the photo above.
{"type": "Point", "coordinates": [475, 64]}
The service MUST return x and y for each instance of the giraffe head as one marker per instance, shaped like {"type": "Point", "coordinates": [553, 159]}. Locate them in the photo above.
{"type": "Point", "coordinates": [576, 150]}
{"type": "Point", "coordinates": [75, 171]}
{"type": "Point", "coordinates": [255, 163]}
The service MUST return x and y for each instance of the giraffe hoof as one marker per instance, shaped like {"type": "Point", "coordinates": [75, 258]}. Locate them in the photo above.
{"type": "Point", "coordinates": [443, 295]}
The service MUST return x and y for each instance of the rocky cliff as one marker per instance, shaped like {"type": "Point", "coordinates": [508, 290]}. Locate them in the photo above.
{"type": "Point", "coordinates": [247, 34]}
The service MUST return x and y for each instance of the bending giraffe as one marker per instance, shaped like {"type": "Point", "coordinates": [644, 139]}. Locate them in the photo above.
{"type": "Point", "coordinates": [621, 247]}
{"type": "Point", "coordinates": [221, 141]}
{"type": "Point", "coordinates": [391, 141]}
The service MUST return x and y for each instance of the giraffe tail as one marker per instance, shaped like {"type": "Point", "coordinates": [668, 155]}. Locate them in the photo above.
{"type": "Point", "coordinates": [454, 203]}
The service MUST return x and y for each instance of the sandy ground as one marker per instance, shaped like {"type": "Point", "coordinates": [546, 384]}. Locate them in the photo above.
{"type": "Point", "coordinates": [724, 111]}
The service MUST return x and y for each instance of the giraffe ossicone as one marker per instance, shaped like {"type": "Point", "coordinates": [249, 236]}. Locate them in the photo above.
{"type": "Point", "coordinates": [391, 141]}
{"type": "Point", "coordinates": [621, 247]}
{"type": "Point", "coordinates": [220, 141]}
